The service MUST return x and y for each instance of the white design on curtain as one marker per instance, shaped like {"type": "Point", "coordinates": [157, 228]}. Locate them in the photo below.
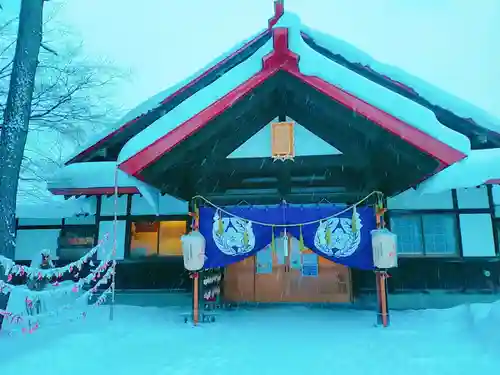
{"type": "Point", "coordinates": [231, 241]}
{"type": "Point", "coordinates": [343, 241]}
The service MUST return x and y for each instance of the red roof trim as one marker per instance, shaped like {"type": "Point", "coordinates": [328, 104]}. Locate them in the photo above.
{"type": "Point", "coordinates": [494, 181]}
{"type": "Point", "coordinates": [281, 58]}
{"type": "Point", "coordinates": [93, 191]}
{"type": "Point", "coordinates": [279, 10]}
{"type": "Point", "coordinates": [424, 142]}
{"type": "Point", "coordinates": [171, 96]}
{"type": "Point", "coordinates": [278, 59]}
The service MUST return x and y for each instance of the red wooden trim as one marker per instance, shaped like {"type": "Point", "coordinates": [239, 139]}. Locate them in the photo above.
{"type": "Point", "coordinates": [279, 10]}
{"type": "Point", "coordinates": [424, 142]}
{"type": "Point", "coordinates": [281, 58]}
{"type": "Point", "coordinates": [94, 191]}
{"type": "Point", "coordinates": [276, 60]}
{"type": "Point", "coordinates": [493, 181]}
{"type": "Point", "coordinates": [170, 97]}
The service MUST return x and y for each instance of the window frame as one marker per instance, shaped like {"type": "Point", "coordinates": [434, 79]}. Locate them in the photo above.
{"type": "Point", "coordinates": [68, 227]}
{"type": "Point", "coordinates": [148, 218]}
{"type": "Point", "coordinates": [420, 216]}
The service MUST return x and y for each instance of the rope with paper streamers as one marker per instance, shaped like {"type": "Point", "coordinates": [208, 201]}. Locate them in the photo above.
{"type": "Point", "coordinates": [376, 193]}
{"type": "Point", "coordinates": [94, 274]}
{"type": "Point", "coordinates": [106, 265]}
{"type": "Point", "coordinates": [13, 269]}
{"type": "Point", "coordinates": [34, 320]}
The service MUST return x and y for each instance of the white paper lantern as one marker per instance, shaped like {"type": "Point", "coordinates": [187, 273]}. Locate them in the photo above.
{"type": "Point", "coordinates": [384, 249]}
{"type": "Point", "coordinates": [193, 251]}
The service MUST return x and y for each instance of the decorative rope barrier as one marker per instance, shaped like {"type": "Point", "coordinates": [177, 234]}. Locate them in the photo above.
{"type": "Point", "coordinates": [378, 194]}
{"type": "Point", "coordinates": [106, 266]}
{"type": "Point", "coordinates": [11, 268]}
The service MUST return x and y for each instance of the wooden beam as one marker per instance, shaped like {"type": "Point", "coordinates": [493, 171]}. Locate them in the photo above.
{"type": "Point", "coordinates": [266, 198]}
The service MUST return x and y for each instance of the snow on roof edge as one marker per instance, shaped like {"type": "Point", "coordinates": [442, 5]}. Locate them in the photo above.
{"type": "Point", "coordinates": [314, 64]}
{"type": "Point", "coordinates": [476, 169]}
{"type": "Point", "coordinates": [57, 208]}
{"type": "Point", "coordinates": [426, 90]}
{"type": "Point", "coordinates": [89, 175]}
{"type": "Point", "coordinates": [196, 103]}
{"type": "Point", "coordinates": [156, 99]}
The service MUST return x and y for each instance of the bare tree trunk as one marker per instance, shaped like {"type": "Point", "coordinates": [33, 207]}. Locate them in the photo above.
{"type": "Point", "coordinates": [16, 119]}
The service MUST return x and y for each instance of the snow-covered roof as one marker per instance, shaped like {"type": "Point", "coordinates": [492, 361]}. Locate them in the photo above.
{"type": "Point", "coordinates": [479, 167]}
{"type": "Point", "coordinates": [424, 89]}
{"type": "Point", "coordinates": [196, 103]}
{"type": "Point", "coordinates": [57, 208]}
{"type": "Point", "coordinates": [157, 99]}
{"type": "Point", "coordinates": [311, 63]}
{"type": "Point", "coordinates": [90, 175]}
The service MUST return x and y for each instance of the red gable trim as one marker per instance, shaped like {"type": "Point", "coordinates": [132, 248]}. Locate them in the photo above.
{"type": "Point", "coordinates": [494, 181]}
{"type": "Point", "coordinates": [125, 126]}
{"type": "Point", "coordinates": [94, 191]}
{"type": "Point", "coordinates": [281, 58]}
{"type": "Point", "coordinates": [279, 10]}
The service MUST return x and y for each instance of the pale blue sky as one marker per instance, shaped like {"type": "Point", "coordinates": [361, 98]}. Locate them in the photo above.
{"type": "Point", "coordinates": [451, 43]}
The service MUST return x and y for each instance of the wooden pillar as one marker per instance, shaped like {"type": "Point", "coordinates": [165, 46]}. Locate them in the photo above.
{"type": "Point", "coordinates": [196, 295]}
{"type": "Point", "coordinates": [383, 317]}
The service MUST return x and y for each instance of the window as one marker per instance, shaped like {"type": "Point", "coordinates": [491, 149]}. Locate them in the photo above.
{"type": "Point", "coordinates": [497, 228]}
{"type": "Point", "coordinates": [430, 234]}
{"type": "Point", "coordinates": [150, 239]}
{"type": "Point", "coordinates": [75, 242]}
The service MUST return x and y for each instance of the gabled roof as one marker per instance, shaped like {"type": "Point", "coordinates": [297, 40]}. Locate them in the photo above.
{"type": "Point", "coordinates": [289, 52]}
{"type": "Point", "coordinates": [450, 111]}
{"type": "Point", "coordinates": [152, 109]}
{"type": "Point", "coordinates": [408, 108]}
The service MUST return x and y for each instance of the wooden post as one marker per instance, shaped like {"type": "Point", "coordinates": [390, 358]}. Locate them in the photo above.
{"type": "Point", "coordinates": [381, 275]}
{"type": "Point", "coordinates": [383, 317]}
{"type": "Point", "coordinates": [195, 298]}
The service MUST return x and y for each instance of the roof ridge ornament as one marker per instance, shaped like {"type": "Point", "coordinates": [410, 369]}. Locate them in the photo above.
{"type": "Point", "coordinates": [279, 10]}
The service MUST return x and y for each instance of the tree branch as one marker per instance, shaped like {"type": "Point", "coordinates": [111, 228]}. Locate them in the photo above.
{"type": "Point", "coordinates": [47, 48]}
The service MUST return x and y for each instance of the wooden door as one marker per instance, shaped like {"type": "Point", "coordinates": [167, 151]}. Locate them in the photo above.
{"type": "Point", "coordinates": [239, 281]}
{"type": "Point", "coordinates": [271, 287]}
{"type": "Point", "coordinates": [286, 283]}
{"type": "Point", "coordinates": [332, 285]}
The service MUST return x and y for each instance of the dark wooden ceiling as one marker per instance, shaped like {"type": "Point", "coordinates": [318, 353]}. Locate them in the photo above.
{"type": "Point", "coordinates": [372, 158]}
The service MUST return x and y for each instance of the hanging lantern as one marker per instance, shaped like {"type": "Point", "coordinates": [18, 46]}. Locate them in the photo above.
{"type": "Point", "coordinates": [384, 249]}
{"type": "Point", "coordinates": [282, 141]}
{"type": "Point", "coordinates": [193, 251]}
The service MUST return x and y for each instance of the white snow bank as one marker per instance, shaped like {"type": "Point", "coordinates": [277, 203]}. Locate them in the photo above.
{"type": "Point", "coordinates": [313, 64]}
{"type": "Point", "coordinates": [196, 103]}
{"type": "Point", "coordinates": [429, 92]}
{"type": "Point", "coordinates": [477, 168]}
{"type": "Point", "coordinates": [56, 208]}
{"type": "Point", "coordinates": [155, 100]}
{"type": "Point", "coordinates": [49, 302]}
{"type": "Point", "coordinates": [485, 319]}
{"type": "Point", "coordinates": [89, 175]}
{"type": "Point", "coordinates": [281, 340]}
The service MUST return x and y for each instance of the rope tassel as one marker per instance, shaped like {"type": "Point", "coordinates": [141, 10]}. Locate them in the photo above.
{"type": "Point", "coordinates": [354, 220]}
{"type": "Point", "coordinates": [301, 241]}
{"type": "Point", "coordinates": [273, 243]}
{"type": "Point", "coordinates": [245, 237]}
{"type": "Point", "coordinates": [221, 225]}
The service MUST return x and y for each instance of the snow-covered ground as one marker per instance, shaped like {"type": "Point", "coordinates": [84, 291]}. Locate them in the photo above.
{"type": "Point", "coordinates": [277, 340]}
